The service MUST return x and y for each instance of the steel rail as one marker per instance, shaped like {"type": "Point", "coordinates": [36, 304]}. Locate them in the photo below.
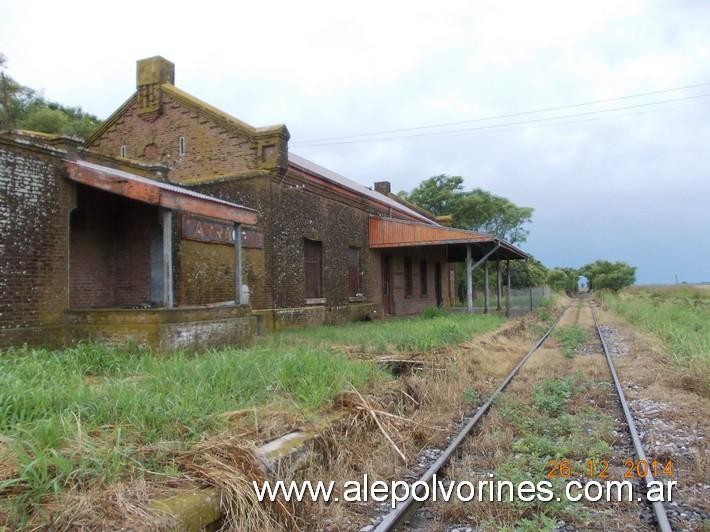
{"type": "Point", "coordinates": [658, 508]}
{"type": "Point", "coordinates": [397, 516]}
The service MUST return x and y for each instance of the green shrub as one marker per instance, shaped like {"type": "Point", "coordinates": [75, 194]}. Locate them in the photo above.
{"type": "Point", "coordinates": [571, 337]}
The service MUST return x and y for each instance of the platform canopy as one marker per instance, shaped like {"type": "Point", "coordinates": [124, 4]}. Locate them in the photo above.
{"type": "Point", "coordinates": [156, 192]}
{"type": "Point", "coordinates": [387, 233]}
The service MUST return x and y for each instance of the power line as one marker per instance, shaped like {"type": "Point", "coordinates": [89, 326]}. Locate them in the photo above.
{"type": "Point", "coordinates": [498, 117]}
{"type": "Point", "coordinates": [591, 118]}
{"type": "Point", "coordinates": [503, 125]}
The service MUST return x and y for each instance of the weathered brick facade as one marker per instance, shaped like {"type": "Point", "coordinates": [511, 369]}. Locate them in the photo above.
{"type": "Point", "coordinates": [67, 249]}
{"type": "Point", "coordinates": [109, 250]}
{"type": "Point", "coordinates": [228, 159]}
{"type": "Point", "coordinates": [34, 210]}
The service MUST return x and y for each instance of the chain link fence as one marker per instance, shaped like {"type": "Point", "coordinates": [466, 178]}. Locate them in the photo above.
{"type": "Point", "coordinates": [522, 300]}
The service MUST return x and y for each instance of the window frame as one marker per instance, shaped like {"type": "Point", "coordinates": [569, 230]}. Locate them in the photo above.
{"type": "Point", "coordinates": [182, 146]}
{"type": "Point", "coordinates": [312, 261]}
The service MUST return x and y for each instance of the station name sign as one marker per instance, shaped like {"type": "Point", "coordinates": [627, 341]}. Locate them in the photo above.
{"type": "Point", "coordinates": [216, 232]}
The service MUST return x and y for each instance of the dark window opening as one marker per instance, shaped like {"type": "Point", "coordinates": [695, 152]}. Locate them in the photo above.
{"type": "Point", "coordinates": [408, 285]}
{"type": "Point", "coordinates": [312, 252]}
{"type": "Point", "coordinates": [353, 272]}
{"type": "Point", "coordinates": [181, 146]}
{"type": "Point", "coordinates": [423, 278]}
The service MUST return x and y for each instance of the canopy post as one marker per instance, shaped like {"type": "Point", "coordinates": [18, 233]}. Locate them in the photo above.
{"type": "Point", "coordinates": [167, 216]}
{"type": "Point", "coordinates": [469, 279]}
{"type": "Point", "coordinates": [499, 286]}
{"type": "Point", "coordinates": [485, 288]}
{"type": "Point", "coordinates": [237, 264]}
{"type": "Point", "coordinates": [507, 290]}
{"type": "Point", "coordinates": [530, 286]}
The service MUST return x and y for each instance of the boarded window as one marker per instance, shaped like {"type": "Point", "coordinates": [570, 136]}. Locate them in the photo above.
{"type": "Point", "coordinates": [312, 251]}
{"type": "Point", "coordinates": [353, 272]}
{"type": "Point", "coordinates": [423, 277]}
{"type": "Point", "coordinates": [408, 285]}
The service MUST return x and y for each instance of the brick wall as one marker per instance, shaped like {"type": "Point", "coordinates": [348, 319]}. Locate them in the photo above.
{"type": "Point", "coordinates": [211, 150]}
{"type": "Point", "coordinates": [300, 210]}
{"type": "Point", "coordinates": [417, 302]}
{"type": "Point", "coordinates": [230, 163]}
{"type": "Point", "coordinates": [110, 250]}
{"type": "Point", "coordinates": [253, 192]}
{"type": "Point", "coordinates": [34, 206]}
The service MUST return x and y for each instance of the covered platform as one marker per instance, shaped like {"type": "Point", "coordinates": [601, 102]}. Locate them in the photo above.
{"type": "Point", "coordinates": [459, 245]}
{"type": "Point", "coordinates": [123, 237]}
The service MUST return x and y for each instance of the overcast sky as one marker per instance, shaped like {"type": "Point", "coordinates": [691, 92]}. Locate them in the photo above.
{"type": "Point", "coordinates": [630, 185]}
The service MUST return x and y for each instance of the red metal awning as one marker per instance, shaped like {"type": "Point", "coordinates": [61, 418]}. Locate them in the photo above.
{"type": "Point", "coordinates": [392, 233]}
{"type": "Point", "coordinates": [155, 192]}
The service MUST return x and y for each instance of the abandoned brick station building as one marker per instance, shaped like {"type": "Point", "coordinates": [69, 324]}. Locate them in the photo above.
{"type": "Point", "coordinates": [315, 247]}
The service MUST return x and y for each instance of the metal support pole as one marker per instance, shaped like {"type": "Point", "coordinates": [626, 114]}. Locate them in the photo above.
{"type": "Point", "coordinates": [499, 286]}
{"type": "Point", "coordinates": [237, 264]}
{"type": "Point", "coordinates": [167, 215]}
{"type": "Point", "coordinates": [507, 291]}
{"type": "Point", "coordinates": [486, 296]}
{"type": "Point", "coordinates": [530, 286]}
{"type": "Point", "coordinates": [469, 279]}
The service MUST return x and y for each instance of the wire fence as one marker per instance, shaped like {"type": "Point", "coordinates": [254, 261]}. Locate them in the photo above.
{"type": "Point", "coordinates": [521, 300]}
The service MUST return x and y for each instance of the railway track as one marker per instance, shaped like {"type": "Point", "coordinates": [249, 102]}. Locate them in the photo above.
{"type": "Point", "coordinates": [398, 518]}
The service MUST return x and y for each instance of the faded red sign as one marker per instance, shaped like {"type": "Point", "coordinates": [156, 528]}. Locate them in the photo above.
{"type": "Point", "coordinates": [216, 232]}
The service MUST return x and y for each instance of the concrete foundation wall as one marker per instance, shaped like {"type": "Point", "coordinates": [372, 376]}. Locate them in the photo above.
{"type": "Point", "coordinates": [165, 329]}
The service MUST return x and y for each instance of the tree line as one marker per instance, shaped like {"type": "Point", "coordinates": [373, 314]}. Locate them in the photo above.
{"type": "Point", "coordinates": [22, 107]}
{"type": "Point", "coordinates": [480, 210]}
{"type": "Point", "coordinates": [600, 275]}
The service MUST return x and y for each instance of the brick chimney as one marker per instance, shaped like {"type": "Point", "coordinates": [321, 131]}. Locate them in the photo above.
{"type": "Point", "coordinates": [383, 187]}
{"type": "Point", "coordinates": [151, 73]}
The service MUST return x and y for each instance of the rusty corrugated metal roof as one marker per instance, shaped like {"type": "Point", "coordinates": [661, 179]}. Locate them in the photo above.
{"type": "Point", "coordinates": [156, 192]}
{"type": "Point", "coordinates": [392, 233]}
{"type": "Point", "coordinates": [389, 233]}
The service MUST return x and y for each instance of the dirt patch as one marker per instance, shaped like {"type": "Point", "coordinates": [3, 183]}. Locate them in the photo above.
{"type": "Point", "coordinates": [435, 398]}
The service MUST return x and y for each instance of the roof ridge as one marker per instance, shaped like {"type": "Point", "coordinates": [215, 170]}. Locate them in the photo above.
{"type": "Point", "coordinates": [112, 118]}
{"type": "Point", "coordinates": [222, 116]}
{"type": "Point", "coordinates": [346, 182]}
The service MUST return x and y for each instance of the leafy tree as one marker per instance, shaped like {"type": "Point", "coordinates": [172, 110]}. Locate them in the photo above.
{"type": "Point", "coordinates": [475, 209]}
{"type": "Point", "coordinates": [528, 273]}
{"type": "Point", "coordinates": [24, 108]}
{"type": "Point", "coordinates": [46, 120]}
{"type": "Point", "coordinates": [563, 280]}
{"type": "Point", "coordinates": [603, 274]}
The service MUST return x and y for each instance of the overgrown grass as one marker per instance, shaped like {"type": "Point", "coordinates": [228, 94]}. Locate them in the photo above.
{"type": "Point", "coordinates": [551, 426]}
{"type": "Point", "coordinates": [678, 316]}
{"type": "Point", "coordinates": [571, 337]}
{"type": "Point", "coordinates": [423, 333]}
{"type": "Point", "coordinates": [89, 413]}
{"type": "Point", "coordinates": [94, 414]}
